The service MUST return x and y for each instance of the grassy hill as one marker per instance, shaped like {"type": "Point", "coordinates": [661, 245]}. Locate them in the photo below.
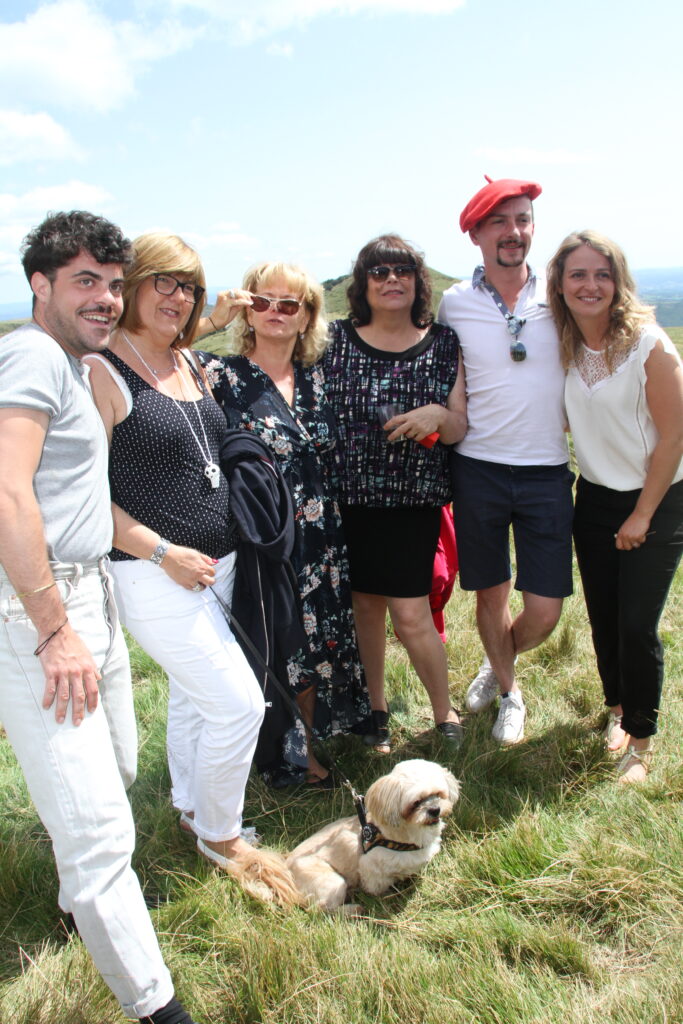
{"type": "Point", "coordinates": [556, 899]}
{"type": "Point", "coordinates": [336, 306]}
{"type": "Point", "coordinates": [10, 325]}
{"type": "Point", "coordinates": [335, 293]}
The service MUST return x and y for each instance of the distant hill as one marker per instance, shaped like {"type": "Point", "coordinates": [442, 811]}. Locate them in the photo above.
{"type": "Point", "coordinates": [662, 289]}
{"type": "Point", "coordinates": [336, 306]}
{"type": "Point", "coordinates": [335, 293]}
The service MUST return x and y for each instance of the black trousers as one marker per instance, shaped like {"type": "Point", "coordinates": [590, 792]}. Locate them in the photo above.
{"type": "Point", "coordinates": [625, 594]}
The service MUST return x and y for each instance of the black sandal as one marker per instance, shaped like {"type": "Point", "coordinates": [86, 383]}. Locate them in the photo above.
{"type": "Point", "coordinates": [380, 736]}
{"type": "Point", "coordinates": [452, 732]}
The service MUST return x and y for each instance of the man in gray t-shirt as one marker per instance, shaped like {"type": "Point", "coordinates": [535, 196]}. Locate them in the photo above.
{"type": "Point", "coordinates": [61, 646]}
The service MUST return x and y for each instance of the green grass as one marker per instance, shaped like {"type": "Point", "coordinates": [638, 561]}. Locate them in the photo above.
{"type": "Point", "coordinates": [676, 335]}
{"type": "Point", "coordinates": [10, 325]}
{"type": "Point", "coordinates": [556, 899]}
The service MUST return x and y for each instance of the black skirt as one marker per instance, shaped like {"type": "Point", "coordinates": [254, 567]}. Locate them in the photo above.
{"type": "Point", "coordinates": [391, 550]}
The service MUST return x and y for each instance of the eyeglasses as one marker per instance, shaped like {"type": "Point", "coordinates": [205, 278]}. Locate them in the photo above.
{"type": "Point", "coordinates": [399, 270]}
{"type": "Point", "coordinates": [167, 285]}
{"type": "Point", "coordinates": [514, 325]}
{"type": "Point", "coordinates": [288, 307]}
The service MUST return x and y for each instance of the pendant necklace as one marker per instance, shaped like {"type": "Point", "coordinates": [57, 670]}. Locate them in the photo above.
{"type": "Point", "coordinates": [211, 470]}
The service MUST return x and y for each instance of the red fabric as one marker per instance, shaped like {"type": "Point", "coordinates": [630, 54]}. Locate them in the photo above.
{"type": "Point", "coordinates": [445, 570]}
{"type": "Point", "coordinates": [491, 195]}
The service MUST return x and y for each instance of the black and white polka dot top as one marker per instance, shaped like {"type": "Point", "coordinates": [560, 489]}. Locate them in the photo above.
{"type": "Point", "coordinates": [156, 469]}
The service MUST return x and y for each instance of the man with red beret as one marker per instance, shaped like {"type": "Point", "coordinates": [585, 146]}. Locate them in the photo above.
{"type": "Point", "coordinates": [511, 467]}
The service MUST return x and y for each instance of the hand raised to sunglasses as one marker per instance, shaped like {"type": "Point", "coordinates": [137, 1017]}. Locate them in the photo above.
{"type": "Point", "coordinates": [228, 305]}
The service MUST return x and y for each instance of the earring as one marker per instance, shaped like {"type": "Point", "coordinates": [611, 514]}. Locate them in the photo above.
{"type": "Point", "coordinates": [181, 335]}
{"type": "Point", "coordinates": [251, 329]}
{"type": "Point", "coordinates": [302, 335]}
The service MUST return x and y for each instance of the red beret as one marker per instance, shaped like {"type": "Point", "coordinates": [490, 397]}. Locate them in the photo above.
{"type": "Point", "coordinates": [491, 195]}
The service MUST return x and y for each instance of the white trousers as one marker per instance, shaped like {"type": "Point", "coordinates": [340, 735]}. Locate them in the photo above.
{"type": "Point", "coordinates": [77, 778]}
{"type": "Point", "coordinates": [215, 702]}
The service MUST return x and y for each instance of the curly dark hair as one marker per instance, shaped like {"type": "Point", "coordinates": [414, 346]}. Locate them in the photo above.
{"type": "Point", "coordinates": [61, 237]}
{"type": "Point", "coordinates": [391, 249]}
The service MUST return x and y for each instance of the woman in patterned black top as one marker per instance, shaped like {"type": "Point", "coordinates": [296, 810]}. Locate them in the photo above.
{"type": "Point", "coordinates": [393, 477]}
{"type": "Point", "coordinates": [173, 538]}
{"type": "Point", "coordinates": [273, 389]}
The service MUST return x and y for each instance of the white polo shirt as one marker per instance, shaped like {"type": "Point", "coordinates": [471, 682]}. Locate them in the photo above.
{"type": "Point", "coordinates": [515, 410]}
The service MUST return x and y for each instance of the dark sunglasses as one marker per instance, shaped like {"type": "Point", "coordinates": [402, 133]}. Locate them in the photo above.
{"type": "Point", "coordinates": [399, 270]}
{"type": "Point", "coordinates": [165, 284]}
{"type": "Point", "coordinates": [288, 307]}
{"type": "Point", "coordinates": [514, 325]}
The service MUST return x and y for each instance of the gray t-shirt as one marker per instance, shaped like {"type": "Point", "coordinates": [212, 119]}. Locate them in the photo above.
{"type": "Point", "coordinates": [71, 483]}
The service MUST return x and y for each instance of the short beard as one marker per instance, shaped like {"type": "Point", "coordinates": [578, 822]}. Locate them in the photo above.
{"type": "Point", "coordinates": [516, 261]}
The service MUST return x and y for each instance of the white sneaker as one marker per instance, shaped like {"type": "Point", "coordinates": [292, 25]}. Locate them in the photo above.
{"type": "Point", "coordinates": [483, 689]}
{"type": "Point", "coordinates": [509, 726]}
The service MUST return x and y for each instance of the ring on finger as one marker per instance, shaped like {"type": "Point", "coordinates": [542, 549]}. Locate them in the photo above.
{"type": "Point", "coordinates": [231, 293]}
{"type": "Point", "coordinates": [198, 587]}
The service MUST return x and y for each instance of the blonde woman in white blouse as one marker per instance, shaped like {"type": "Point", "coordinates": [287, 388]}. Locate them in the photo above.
{"type": "Point", "coordinates": [624, 397]}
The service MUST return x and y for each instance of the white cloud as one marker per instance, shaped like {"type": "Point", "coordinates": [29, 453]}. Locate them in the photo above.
{"type": "Point", "coordinates": [222, 234]}
{"type": "Point", "coordinates": [34, 137]}
{"type": "Point", "coordinates": [19, 213]}
{"type": "Point", "coordinates": [517, 155]}
{"type": "Point", "coordinates": [75, 54]}
{"type": "Point", "coordinates": [70, 51]}
{"type": "Point", "coordinates": [266, 16]}
{"type": "Point", "coordinates": [280, 50]}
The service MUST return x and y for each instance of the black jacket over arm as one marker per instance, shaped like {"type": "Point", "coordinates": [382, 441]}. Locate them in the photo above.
{"type": "Point", "coordinates": [265, 600]}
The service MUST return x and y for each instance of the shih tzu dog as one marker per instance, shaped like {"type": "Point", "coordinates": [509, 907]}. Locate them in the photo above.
{"type": "Point", "coordinates": [405, 818]}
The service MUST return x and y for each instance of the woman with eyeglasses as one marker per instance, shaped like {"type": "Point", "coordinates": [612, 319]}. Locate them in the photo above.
{"type": "Point", "coordinates": [624, 400]}
{"type": "Point", "coordinates": [174, 541]}
{"type": "Point", "coordinates": [392, 378]}
{"type": "Point", "coordinates": [273, 387]}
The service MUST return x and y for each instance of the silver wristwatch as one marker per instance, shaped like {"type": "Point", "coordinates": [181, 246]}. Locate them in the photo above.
{"type": "Point", "coordinates": [160, 550]}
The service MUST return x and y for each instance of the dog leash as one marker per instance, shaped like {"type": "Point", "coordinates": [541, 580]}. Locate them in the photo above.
{"type": "Point", "coordinates": [368, 831]}
{"type": "Point", "coordinates": [370, 835]}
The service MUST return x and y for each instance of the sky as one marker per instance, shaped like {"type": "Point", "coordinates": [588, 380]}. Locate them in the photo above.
{"type": "Point", "coordinates": [297, 130]}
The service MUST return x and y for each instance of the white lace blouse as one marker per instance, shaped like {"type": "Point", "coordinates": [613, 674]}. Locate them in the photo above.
{"type": "Point", "coordinates": [613, 431]}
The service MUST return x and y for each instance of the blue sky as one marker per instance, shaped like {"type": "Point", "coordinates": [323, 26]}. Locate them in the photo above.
{"type": "Point", "coordinates": [298, 130]}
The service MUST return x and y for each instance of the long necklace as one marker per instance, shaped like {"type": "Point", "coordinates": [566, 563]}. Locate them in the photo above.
{"type": "Point", "coordinates": [211, 470]}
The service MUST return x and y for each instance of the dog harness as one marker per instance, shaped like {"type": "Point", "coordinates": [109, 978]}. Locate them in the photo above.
{"type": "Point", "coordinates": [371, 837]}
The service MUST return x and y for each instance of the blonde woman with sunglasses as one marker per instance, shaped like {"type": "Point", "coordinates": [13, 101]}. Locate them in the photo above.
{"type": "Point", "coordinates": [273, 387]}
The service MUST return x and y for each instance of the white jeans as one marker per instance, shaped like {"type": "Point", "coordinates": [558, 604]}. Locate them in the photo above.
{"type": "Point", "coordinates": [215, 702]}
{"type": "Point", "coordinates": [77, 778]}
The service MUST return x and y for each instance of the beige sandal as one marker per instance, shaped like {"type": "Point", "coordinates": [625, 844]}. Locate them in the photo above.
{"type": "Point", "coordinates": [634, 765]}
{"type": "Point", "coordinates": [614, 724]}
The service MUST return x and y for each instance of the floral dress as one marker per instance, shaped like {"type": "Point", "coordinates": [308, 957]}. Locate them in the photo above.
{"type": "Point", "coordinates": [303, 439]}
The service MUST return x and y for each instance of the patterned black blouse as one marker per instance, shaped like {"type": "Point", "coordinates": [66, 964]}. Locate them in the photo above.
{"type": "Point", "coordinates": [358, 379]}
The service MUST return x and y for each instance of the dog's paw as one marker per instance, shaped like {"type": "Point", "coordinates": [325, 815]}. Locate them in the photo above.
{"type": "Point", "coordinates": [351, 910]}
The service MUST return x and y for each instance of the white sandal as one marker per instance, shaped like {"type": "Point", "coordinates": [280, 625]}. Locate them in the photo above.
{"type": "Point", "coordinates": [634, 765]}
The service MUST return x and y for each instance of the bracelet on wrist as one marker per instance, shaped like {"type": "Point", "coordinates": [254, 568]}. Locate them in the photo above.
{"type": "Point", "coordinates": [41, 646]}
{"type": "Point", "coordinates": [38, 590]}
{"type": "Point", "coordinates": [216, 329]}
{"type": "Point", "coordinates": [160, 550]}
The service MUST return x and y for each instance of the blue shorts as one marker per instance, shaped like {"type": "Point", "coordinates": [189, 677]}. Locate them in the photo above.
{"type": "Point", "coordinates": [489, 498]}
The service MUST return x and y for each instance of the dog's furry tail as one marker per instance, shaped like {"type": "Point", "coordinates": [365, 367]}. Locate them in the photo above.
{"type": "Point", "coordinates": [264, 875]}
